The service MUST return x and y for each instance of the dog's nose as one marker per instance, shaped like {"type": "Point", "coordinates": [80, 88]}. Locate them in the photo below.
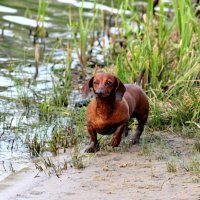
{"type": "Point", "coordinates": [99, 92]}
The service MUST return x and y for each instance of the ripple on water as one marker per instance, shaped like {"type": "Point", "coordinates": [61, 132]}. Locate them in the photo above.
{"type": "Point", "coordinates": [6, 9]}
{"type": "Point", "coordinates": [24, 21]}
{"type": "Point", "coordinates": [12, 161]}
{"type": "Point", "coordinates": [91, 5]}
{"type": "Point", "coordinates": [6, 32]}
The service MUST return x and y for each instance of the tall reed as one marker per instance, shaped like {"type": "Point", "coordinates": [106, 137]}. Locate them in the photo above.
{"type": "Point", "coordinates": [86, 30]}
{"type": "Point", "coordinates": [168, 48]}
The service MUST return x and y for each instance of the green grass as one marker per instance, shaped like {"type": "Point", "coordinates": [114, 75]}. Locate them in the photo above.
{"type": "Point", "coordinates": [171, 167]}
{"type": "Point", "coordinates": [172, 64]}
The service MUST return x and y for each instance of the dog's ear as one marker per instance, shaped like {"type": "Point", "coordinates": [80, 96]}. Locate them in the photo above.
{"type": "Point", "coordinates": [86, 87]}
{"type": "Point", "coordinates": [120, 90]}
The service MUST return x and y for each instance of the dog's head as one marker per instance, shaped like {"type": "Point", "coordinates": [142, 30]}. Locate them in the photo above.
{"type": "Point", "coordinates": [104, 85]}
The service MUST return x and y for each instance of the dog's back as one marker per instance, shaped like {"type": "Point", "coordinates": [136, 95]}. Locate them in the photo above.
{"type": "Point", "coordinates": [136, 99]}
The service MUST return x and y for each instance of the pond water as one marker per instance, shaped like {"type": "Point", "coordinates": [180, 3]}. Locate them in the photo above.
{"type": "Point", "coordinates": [29, 61]}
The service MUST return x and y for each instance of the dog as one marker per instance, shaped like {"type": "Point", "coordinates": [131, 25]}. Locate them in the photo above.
{"type": "Point", "coordinates": [112, 106]}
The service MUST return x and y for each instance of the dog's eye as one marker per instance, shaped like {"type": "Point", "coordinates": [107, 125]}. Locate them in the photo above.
{"type": "Point", "coordinates": [95, 82]}
{"type": "Point", "coordinates": [108, 83]}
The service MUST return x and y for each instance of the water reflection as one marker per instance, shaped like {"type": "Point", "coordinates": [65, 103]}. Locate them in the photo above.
{"type": "Point", "coordinates": [91, 5]}
{"type": "Point", "coordinates": [5, 9]}
{"type": "Point", "coordinates": [25, 21]}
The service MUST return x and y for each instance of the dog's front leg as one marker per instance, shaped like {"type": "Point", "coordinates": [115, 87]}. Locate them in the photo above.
{"type": "Point", "coordinates": [93, 146]}
{"type": "Point", "coordinates": [118, 134]}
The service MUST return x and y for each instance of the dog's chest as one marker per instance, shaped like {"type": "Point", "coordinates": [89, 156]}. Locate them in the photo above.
{"type": "Point", "coordinates": [106, 130]}
{"type": "Point", "coordinates": [103, 125]}
{"type": "Point", "coordinates": [104, 122]}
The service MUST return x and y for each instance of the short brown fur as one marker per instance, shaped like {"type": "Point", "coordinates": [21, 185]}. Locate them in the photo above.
{"type": "Point", "coordinates": [113, 105]}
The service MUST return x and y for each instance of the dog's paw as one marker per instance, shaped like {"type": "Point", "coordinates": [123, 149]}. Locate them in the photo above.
{"type": "Point", "coordinates": [92, 148]}
{"type": "Point", "coordinates": [135, 139]}
{"type": "Point", "coordinates": [89, 150]}
{"type": "Point", "coordinates": [115, 142]}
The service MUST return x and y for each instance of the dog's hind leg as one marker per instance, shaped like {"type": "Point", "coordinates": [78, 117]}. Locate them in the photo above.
{"type": "Point", "coordinates": [141, 122]}
{"type": "Point", "coordinates": [126, 129]}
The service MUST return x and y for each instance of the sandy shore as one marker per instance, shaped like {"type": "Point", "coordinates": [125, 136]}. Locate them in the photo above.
{"type": "Point", "coordinates": [127, 175]}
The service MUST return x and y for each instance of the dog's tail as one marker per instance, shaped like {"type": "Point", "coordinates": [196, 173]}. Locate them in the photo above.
{"type": "Point", "coordinates": [138, 82]}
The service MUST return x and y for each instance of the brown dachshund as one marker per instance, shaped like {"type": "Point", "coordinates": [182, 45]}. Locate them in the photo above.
{"type": "Point", "coordinates": [112, 107]}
